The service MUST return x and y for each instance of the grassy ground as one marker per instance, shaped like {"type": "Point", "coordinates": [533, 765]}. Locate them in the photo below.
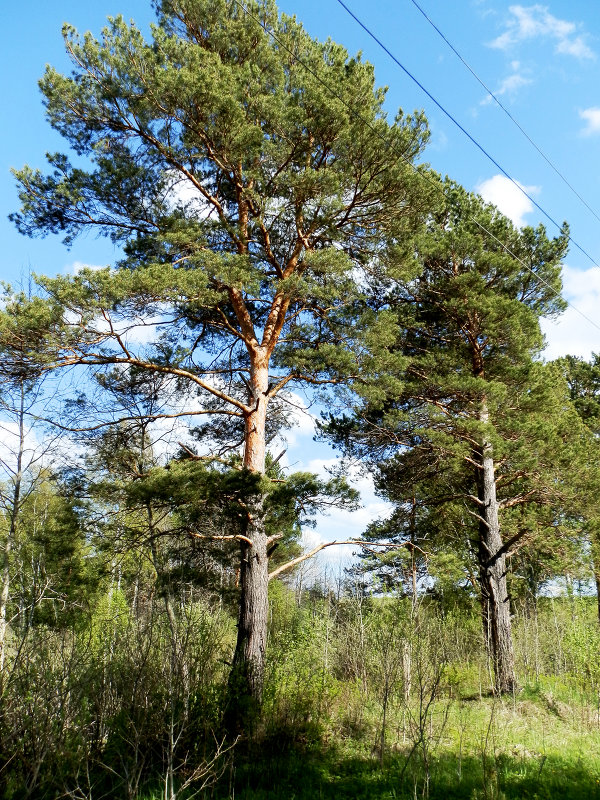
{"type": "Point", "coordinates": [535, 746]}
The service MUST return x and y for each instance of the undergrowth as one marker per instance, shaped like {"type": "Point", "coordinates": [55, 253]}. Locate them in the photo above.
{"type": "Point", "coordinates": [525, 747]}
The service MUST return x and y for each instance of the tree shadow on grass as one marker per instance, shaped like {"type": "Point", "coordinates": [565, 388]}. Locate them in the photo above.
{"type": "Point", "coordinates": [327, 773]}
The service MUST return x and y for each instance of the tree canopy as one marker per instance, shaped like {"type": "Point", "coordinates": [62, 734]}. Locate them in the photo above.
{"type": "Point", "coordinates": [474, 426]}
{"type": "Point", "coordinates": [246, 192]}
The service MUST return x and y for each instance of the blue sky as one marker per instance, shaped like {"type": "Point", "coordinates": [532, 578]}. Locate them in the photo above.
{"type": "Point", "coordinates": [542, 61]}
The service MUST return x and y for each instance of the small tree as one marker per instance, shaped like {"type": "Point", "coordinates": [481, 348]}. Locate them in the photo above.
{"type": "Point", "coordinates": [28, 450]}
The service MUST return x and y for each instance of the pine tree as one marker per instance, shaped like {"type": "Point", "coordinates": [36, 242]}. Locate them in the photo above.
{"type": "Point", "coordinates": [475, 429]}
{"type": "Point", "coordinates": [247, 171]}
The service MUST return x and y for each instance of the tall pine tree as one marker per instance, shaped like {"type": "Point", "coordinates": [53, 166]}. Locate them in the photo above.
{"type": "Point", "coordinates": [247, 170]}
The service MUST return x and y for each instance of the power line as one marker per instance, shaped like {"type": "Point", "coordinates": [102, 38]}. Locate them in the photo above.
{"type": "Point", "coordinates": [506, 111]}
{"type": "Point", "coordinates": [460, 127]}
{"type": "Point", "coordinates": [388, 145]}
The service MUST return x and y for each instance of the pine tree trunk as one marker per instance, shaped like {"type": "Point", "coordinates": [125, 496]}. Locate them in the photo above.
{"type": "Point", "coordinates": [249, 658]}
{"type": "Point", "coordinates": [4, 595]}
{"type": "Point", "coordinates": [247, 674]}
{"type": "Point", "coordinates": [492, 572]}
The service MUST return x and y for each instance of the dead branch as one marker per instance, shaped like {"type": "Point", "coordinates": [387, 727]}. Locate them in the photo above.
{"type": "Point", "coordinates": [362, 544]}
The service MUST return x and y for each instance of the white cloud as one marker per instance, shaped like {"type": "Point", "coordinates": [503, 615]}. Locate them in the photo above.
{"type": "Point", "coordinates": [575, 47]}
{"type": "Point", "coordinates": [9, 447]}
{"type": "Point", "coordinates": [40, 449]}
{"type": "Point", "coordinates": [302, 420]}
{"type": "Point", "coordinates": [77, 266]}
{"type": "Point", "coordinates": [439, 140]}
{"type": "Point", "coordinates": [356, 475]}
{"type": "Point", "coordinates": [509, 199]}
{"type": "Point", "coordinates": [572, 333]}
{"type": "Point", "coordinates": [592, 118]}
{"type": "Point", "coordinates": [536, 22]}
{"type": "Point", "coordinates": [337, 524]}
{"type": "Point", "coordinates": [510, 84]}
{"type": "Point", "coordinates": [140, 329]}
{"type": "Point", "coordinates": [340, 525]}
{"type": "Point", "coordinates": [182, 193]}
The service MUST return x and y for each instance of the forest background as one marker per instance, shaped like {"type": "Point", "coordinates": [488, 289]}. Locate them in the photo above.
{"type": "Point", "coordinates": [67, 565]}
{"type": "Point", "coordinates": [545, 81]}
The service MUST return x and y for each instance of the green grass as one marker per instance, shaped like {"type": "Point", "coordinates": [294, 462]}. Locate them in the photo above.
{"type": "Point", "coordinates": [535, 747]}
{"type": "Point", "coordinates": [332, 775]}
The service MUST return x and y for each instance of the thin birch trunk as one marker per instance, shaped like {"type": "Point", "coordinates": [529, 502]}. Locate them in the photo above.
{"type": "Point", "coordinates": [12, 532]}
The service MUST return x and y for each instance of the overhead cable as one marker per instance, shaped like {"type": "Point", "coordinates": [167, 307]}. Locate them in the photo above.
{"type": "Point", "coordinates": [506, 111]}
{"type": "Point", "coordinates": [400, 155]}
{"type": "Point", "coordinates": [462, 128]}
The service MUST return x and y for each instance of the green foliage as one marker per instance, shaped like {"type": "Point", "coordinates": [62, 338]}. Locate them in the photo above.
{"type": "Point", "coordinates": [583, 378]}
{"type": "Point", "coordinates": [273, 240]}
{"type": "Point", "coordinates": [91, 709]}
{"type": "Point", "coordinates": [243, 192]}
{"type": "Point", "coordinates": [245, 196]}
{"type": "Point", "coordinates": [530, 746]}
{"type": "Point", "coordinates": [54, 574]}
{"type": "Point", "coordinates": [581, 648]}
{"type": "Point", "coordinates": [96, 710]}
{"type": "Point", "coordinates": [467, 380]}
{"type": "Point", "coordinates": [300, 685]}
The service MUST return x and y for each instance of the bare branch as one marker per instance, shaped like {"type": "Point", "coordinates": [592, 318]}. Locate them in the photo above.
{"type": "Point", "coordinates": [218, 538]}
{"type": "Point", "coordinates": [100, 360]}
{"type": "Point", "coordinates": [359, 543]}
{"type": "Point", "coordinates": [144, 417]}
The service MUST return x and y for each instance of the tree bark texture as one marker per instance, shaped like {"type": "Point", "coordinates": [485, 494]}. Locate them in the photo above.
{"type": "Point", "coordinates": [492, 573]}
{"type": "Point", "coordinates": [249, 657]}
{"type": "Point", "coordinates": [247, 675]}
{"type": "Point", "coordinates": [4, 594]}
